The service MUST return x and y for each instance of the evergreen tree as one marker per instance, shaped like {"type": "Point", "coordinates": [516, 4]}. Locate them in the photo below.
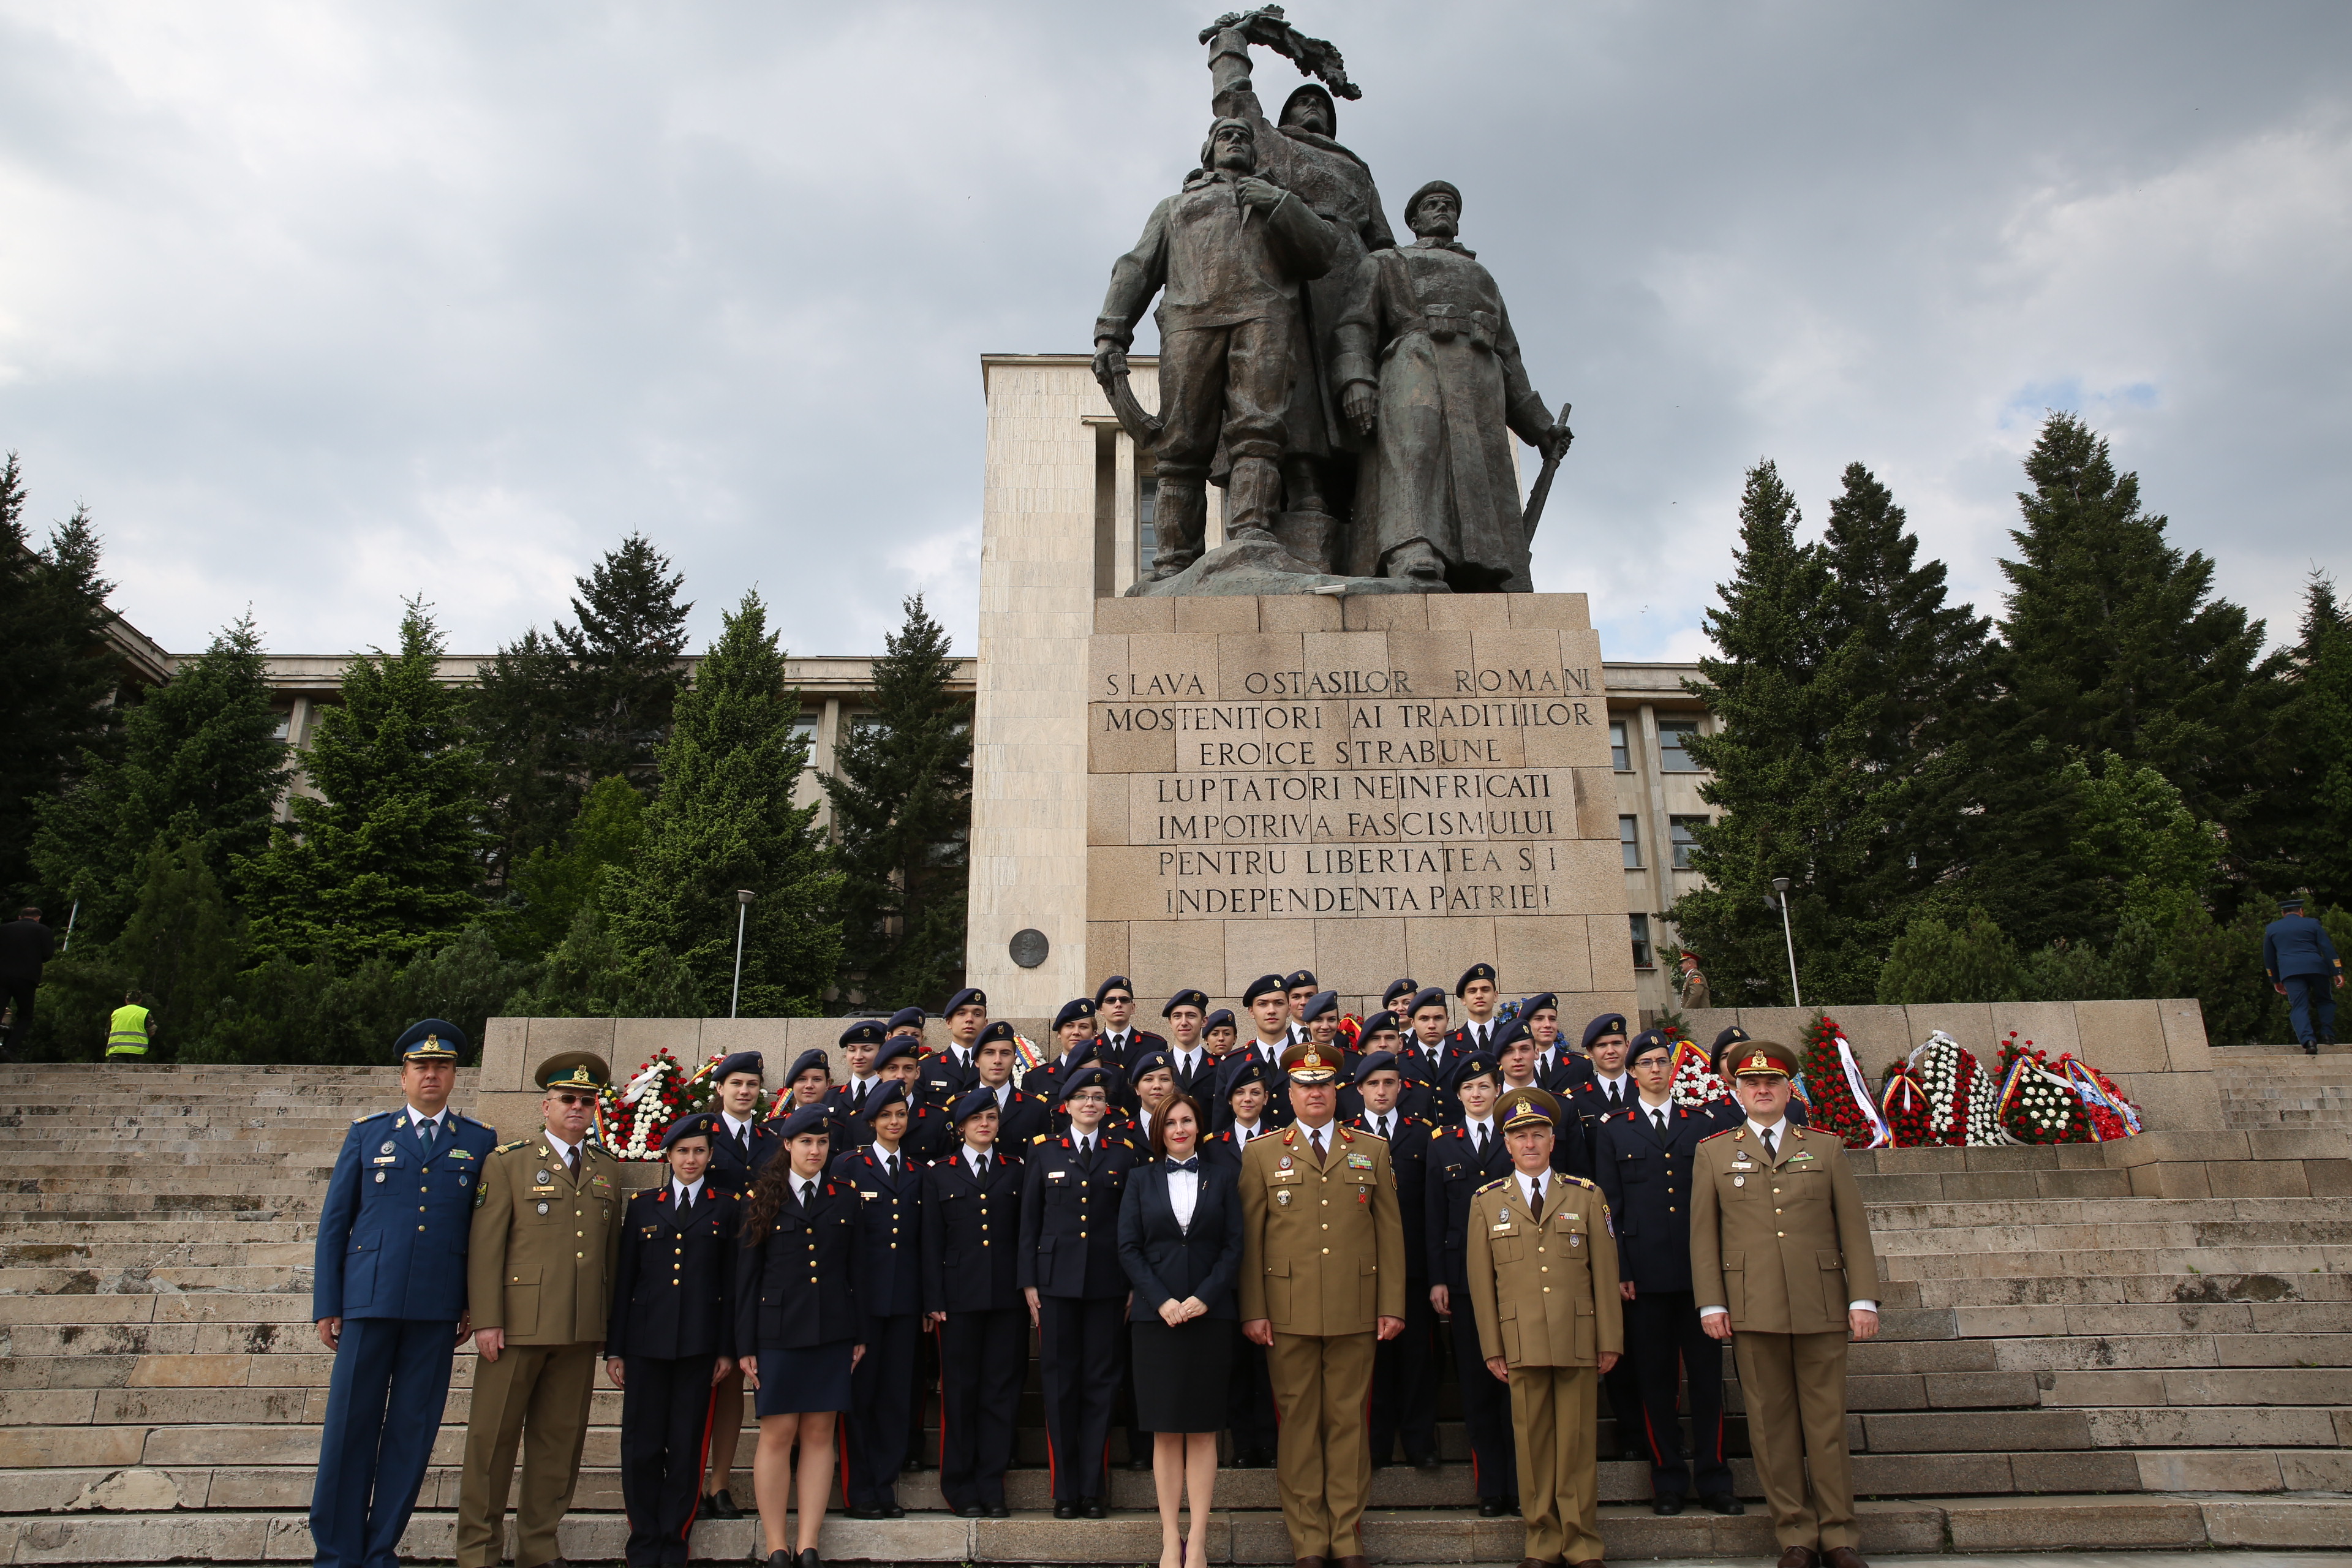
{"type": "Point", "coordinates": [181, 945]}
{"type": "Point", "coordinates": [200, 761]}
{"type": "Point", "coordinates": [2147, 854]}
{"type": "Point", "coordinates": [56, 704]}
{"type": "Point", "coordinates": [384, 863]}
{"type": "Point", "coordinates": [550, 886]}
{"type": "Point", "coordinates": [1932, 962]}
{"type": "Point", "coordinates": [902, 821]}
{"type": "Point", "coordinates": [530, 748]}
{"type": "Point", "coordinates": [2307, 825]}
{"type": "Point", "coordinates": [724, 819]}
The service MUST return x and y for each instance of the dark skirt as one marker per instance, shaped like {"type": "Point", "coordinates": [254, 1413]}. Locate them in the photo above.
{"type": "Point", "coordinates": [1181, 1374]}
{"type": "Point", "coordinates": [796, 1381]}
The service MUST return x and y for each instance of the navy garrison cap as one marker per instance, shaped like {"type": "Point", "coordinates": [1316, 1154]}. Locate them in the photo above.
{"type": "Point", "coordinates": [1001, 1029]}
{"type": "Point", "coordinates": [971, 1104]}
{"type": "Point", "coordinates": [969, 997]}
{"type": "Point", "coordinates": [1405, 987]}
{"type": "Point", "coordinates": [1531, 1006]}
{"type": "Point", "coordinates": [1301, 977]}
{"type": "Point", "coordinates": [1223, 1018]}
{"type": "Point", "coordinates": [1152, 1061]}
{"type": "Point", "coordinates": [1322, 1002]}
{"type": "Point", "coordinates": [1263, 985]}
{"type": "Point", "coordinates": [807, 1118]}
{"type": "Point", "coordinates": [883, 1098]}
{"type": "Point", "coordinates": [1381, 1024]}
{"type": "Point", "coordinates": [1427, 996]}
{"type": "Point", "coordinates": [699, 1125]}
{"type": "Point", "coordinates": [1475, 972]}
{"type": "Point", "coordinates": [1648, 1040]}
{"type": "Point", "coordinates": [908, 1018]}
{"type": "Point", "coordinates": [1607, 1024]}
{"type": "Point", "coordinates": [1477, 1064]}
{"type": "Point", "coordinates": [1075, 1010]}
{"type": "Point", "coordinates": [431, 1040]}
{"type": "Point", "coordinates": [814, 1056]}
{"type": "Point", "coordinates": [892, 1050]}
{"type": "Point", "coordinates": [741, 1061]}
{"type": "Point", "coordinates": [1187, 997]}
{"type": "Point", "coordinates": [1086, 1078]}
{"type": "Point", "coordinates": [1115, 983]}
{"type": "Point", "coordinates": [865, 1032]}
{"type": "Point", "coordinates": [1510, 1032]}
{"type": "Point", "coordinates": [1377, 1061]}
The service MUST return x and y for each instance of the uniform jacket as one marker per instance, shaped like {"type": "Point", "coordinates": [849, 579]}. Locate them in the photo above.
{"type": "Point", "coordinates": [1045, 1084]}
{"type": "Point", "coordinates": [1647, 1182]}
{"type": "Point", "coordinates": [1219, 1149]}
{"type": "Point", "coordinates": [729, 1168]}
{"type": "Point", "coordinates": [1425, 1094]}
{"type": "Point", "coordinates": [543, 1250]}
{"type": "Point", "coordinates": [377, 1256]}
{"type": "Point", "coordinates": [1589, 1103]}
{"type": "Point", "coordinates": [1069, 1216]}
{"type": "Point", "coordinates": [943, 1076]}
{"type": "Point", "coordinates": [1786, 1246]}
{"type": "Point", "coordinates": [1163, 1262]}
{"type": "Point", "coordinates": [1544, 1287]}
{"type": "Point", "coordinates": [1139, 1043]}
{"type": "Point", "coordinates": [2298, 944]}
{"type": "Point", "coordinates": [890, 1229]}
{"type": "Point", "coordinates": [851, 1131]}
{"type": "Point", "coordinates": [1217, 271]}
{"type": "Point", "coordinates": [1202, 1085]}
{"type": "Point", "coordinates": [1409, 1159]}
{"type": "Point", "coordinates": [1456, 1173]}
{"type": "Point", "coordinates": [1277, 1111]}
{"type": "Point", "coordinates": [674, 1288]}
{"type": "Point", "coordinates": [796, 1287]}
{"type": "Point", "coordinates": [972, 1235]}
{"type": "Point", "coordinates": [1322, 1246]}
{"type": "Point", "coordinates": [1563, 1072]}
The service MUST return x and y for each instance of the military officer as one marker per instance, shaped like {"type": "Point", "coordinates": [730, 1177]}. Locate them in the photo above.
{"type": "Point", "coordinates": [889, 1295]}
{"type": "Point", "coordinates": [1644, 1162]}
{"type": "Point", "coordinates": [1404, 1369]}
{"type": "Point", "coordinates": [1118, 1042]}
{"type": "Point", "coordinates": [1069, 1272]}
{"type": "Point", "coordinates": [1543, 1288]}
{"type": "Point", "coordinates": [1782, 1267]}
{"type": "Point", "coordinates": [1429, 1057]}
{"type": "Point", "coordinates": [1188, 1057]}
{"type": "Point", "coordinates": [2301, 965]}
{"type": "Point", "coordinates": [538, 1280]}
{"type": "Point", "coordinates": [1323, 1279]}
{"type": "Point", "coordinates": [972, 1291]}
{"type": "Point", "coordinates": [1479, 997]}
{"type": "Point", "coordinates": [388, 1295]}
{"type": "Point", "coordinates": [1464, 1156]}
{"type": "Point", "coordinates": [742, 1145]}
{"type": "Point", "coordinates": [860, 1043]}
{"type": "Point", "coordinates": [670, 1340]}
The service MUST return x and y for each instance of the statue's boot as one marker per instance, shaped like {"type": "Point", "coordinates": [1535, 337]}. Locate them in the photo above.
{"type": "Point", "coordinates": [1180, 521]}
{"type": "Point", "coordinates": [1415, 559]}
{"type": "Point", "coordinates": [1253, 491]}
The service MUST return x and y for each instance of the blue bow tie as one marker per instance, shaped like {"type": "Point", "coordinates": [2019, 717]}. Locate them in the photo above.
{"type": "Point", "coordinates": [1191, 1164]}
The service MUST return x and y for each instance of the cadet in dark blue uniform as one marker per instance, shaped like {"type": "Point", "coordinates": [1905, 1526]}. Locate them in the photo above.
{"type": "Point", "coordinates": [947, 1073]}
{"type": "Point", "coordinates": [1557, 1068]}
{"type": "Point", "coordinates": [1298, 988]}
{"type": "Point", "coordinates": [1402, 989]}
{"type": "Point", "coordinates": [388, 1294]}
{"type": "Point", "coordinates": [1022, 1114]}
{"type": "Point", "coordinates": [668, 1340]}
{"type": "Point", "coordinates": [1604, 1087]}
{"type": "Point", "coordinates": [797, 1323]}
{"type": "Point", "coordinates": [971, 1290]}
{"type": "Point", "coordinates": [859, 1044]}
{"type": "Point", "coordinates": [1480, 996]}
{"type": "Point", "coordinates": [1427, 1057]}
{"type": "Point", "coordinates": [1263, 1041]}
{"type": "Point", "coordinates": [1188, 1057]}
{"type": "Point", "coordinates": [1217, 1032]}
{"type": "Point", "coordinates": [1644, 1167]}
{"type": "Point", "coordinates": [1077, 1046]}
{"type": "Point", "coordinates": [1381, 1035]}
{"type": "Point", "coordinates": [890, 1294]}
{"type": "Point", "coordinates": [900, 1060]}
{"type": "Point", "coordinates": [1249, 1398]}
{"type": "Point", "coordinates": [742, 1145]}
{"type": "Point", "coordinates": [1571, 1146]}
{"type": "Point", "coordinates": [1462, 1157]}
{"type": "Point", "coordinates": [1069, 1271]}
{"type": "Point", "coordinates": [1733, 1034]}
{"type": "Point", "coordinates": [1117, 1043]}
{"type": "Point", "coordinates": [1404, 1369]}
{"type": "Point", "coordinates": [2303, 968]}
{"type": "Point", "coordinates": [907, 1021]}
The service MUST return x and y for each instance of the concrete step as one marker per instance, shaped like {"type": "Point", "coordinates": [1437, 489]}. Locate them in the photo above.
{"type": "Point", "coordinates": [1994, 1292]}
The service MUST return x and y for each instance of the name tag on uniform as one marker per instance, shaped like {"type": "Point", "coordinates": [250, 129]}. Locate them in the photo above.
{"type": "Point", "coordinates": [1055, 1176]}
{"type": "Point", "coordinates": [385, 1159]}
{"type": "Point", "coordinates": [863, 1194]}
{"type": "Point", "coordinates": [1503, 1225]}
{"type": "Point", "coordinates": [648, 1230]}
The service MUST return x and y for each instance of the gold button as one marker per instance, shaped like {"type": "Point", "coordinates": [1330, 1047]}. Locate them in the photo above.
{"type": "Point", "coordinates": [1326, 1252]}
{"type": "Point", "coordinates": [420, 1227]}
{"type": "Point", "coordinates": [1779, 1233]}
{"type": "Point", "coordinates": [579, 1255]}
{"type": "Point", "coordinates": [1547, 1289]}
{"type": "Point", "coordinates": [1544, 1269]}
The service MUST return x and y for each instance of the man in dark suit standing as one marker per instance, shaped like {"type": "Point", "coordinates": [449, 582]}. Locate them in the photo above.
{"type": "Point", "coordinates": [1118, 1042]}
{"type": "Point", "coordinates": [742, 1145]}
{"type": "Point", "coordinates": [2303, 967]}
{"type": "Point", "coordinates": [947, 1073]}
{"type": "Point", "coordinates": [1404, 1369]}
{"type": "Point", "coordinates": [1646, 1156]}
{"type": "Point", "coordinates": [1557, 1068]}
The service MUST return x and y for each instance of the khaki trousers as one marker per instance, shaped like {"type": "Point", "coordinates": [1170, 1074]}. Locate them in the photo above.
{"type": "Point", "coordinates": [1323, 1457]}
{"type": "Point", "coordinates": [1553, 1415]}
{"type": "Point", "coordinates": [538, 1394]}
{"type": "Point", "coordinates": [1794, 1388]}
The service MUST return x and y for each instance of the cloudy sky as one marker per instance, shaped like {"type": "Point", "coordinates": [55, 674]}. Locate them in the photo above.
{"type": "Point", "coordinates": [318, 305]}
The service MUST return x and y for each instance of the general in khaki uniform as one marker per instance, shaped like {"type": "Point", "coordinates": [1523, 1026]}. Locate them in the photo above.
{"type": "Point", "coordinates": [540, 1270]}
{"type": "Point", "coordinates": [1322, 1274]}
{"type": "Point", "coordinates": [1543, 1283]}
{"type": "Point", "coordinates": [1780, 1241]}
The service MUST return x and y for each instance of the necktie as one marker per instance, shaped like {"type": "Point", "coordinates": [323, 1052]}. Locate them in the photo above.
{"type": "Point", "coordinates": [1482, 1140]}
{"type": "Point", "coordinates": [861, 1099]}
{"type": "Point", "coordinates": [685, 1204]}
{"type": "Point", "coordinates": [1482, 1036]}
{"type": "Point", "coordinates": [890, 1164]}
{"type": "Point", "coordinates": [1659, 1116]}
{"type": "Point", "coordinates": [1770, 1153]}
{"type": "Point", "coordinates": [571, 1162]}
{"type": "Point", "coordinates": [808, 1191]}
{"type": "Point", "coordinates": [424, 1130]}
{"type": "Point", "coordinates": [1384, 1127]}
{"type": "Point", "coordinates": [1537, 1188]}
{"type": "Point", "coordinates": [980, 1167]}
{"type": "Point", "coordinates": [1086, 1150]}
{"type": "Point", "coordinates": [744, 1142]}
{"type": "Point", "coordinates": [1191, 1164]}
{"type": "Point", "coordinates": [1615, 1101]}
{"type": "Point", "coordinates": [1315, 1138]}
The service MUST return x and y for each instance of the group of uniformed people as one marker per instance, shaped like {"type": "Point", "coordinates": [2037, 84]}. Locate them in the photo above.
{"type": "Point", "coordinates": [1248, 1222]}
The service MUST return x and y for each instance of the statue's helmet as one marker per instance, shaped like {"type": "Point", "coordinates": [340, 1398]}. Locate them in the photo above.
{"type": "Point", "coordinates": [1413, 202]}
{"type": "Point", "coordinates": [1209, 146]}
{"type": "Point", "coordinates": [1312, 93]}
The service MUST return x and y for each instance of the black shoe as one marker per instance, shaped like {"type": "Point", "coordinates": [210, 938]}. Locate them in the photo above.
{"type": "Point", "coordinates": [809, 1558]}
{"type": "Point", "coordinates": [1724, 1503]}
{"type": "Point", "coordinates": [914, 1463]}
{"type": "Point", "coordinates": [1139, 1464]}
{"type": "Point", "coordinates": [1427, 1463]}
{"type": "Point", "coordinates": [869, 1510]}
{"type": "Point", "coordinates": [1493, 1507]}
{"type": "Point", "coordinates": [970, 1511]}
{"type": "Point", "coordinates": [1093, 1508]}
{"type": "Point", "coordinates": [998, 1511]}
{"type": "Point", "coordinates": [779, 1558]}
{"type": "Point", "coordinates": [720, 1505]}
{"type": "Point", "coordinates": [1064, 1509]}
{"type": "Point", "coordinates": [1666, 1507]}
{"type": "Point", "coordinates": [894, 1510]}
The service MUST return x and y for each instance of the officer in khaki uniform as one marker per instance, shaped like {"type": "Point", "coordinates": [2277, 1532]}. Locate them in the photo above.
{"type": "Point", "coordinates": [1322, 1274]}
{"type": "Point", "coordinates": [539, 1277]}
{"type": "Point", "coordinates": [1543, 1282]}
{"type": "Point", "coordinates": [1781, 1266]}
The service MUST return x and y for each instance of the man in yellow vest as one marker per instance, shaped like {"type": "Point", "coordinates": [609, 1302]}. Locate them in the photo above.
{"type": "Point", "coordinates": [129, 1032]}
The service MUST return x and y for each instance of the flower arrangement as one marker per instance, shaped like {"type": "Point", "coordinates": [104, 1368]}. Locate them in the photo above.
{"type": "Point", "coordinates": [2036, 1105]}
{"type": "Point", "coordinates": [1947, 1072]}
{"type": "Point", "coordinates": [1909, 1120]}
{"type": "Point", "coordinates": [1839, 1101]}
{"type": "Point", "coordinates": [2109, 1113]}
{"type": "Point", "coordinates": [1694, 1084]}
{"type": "Point", "coordinates": [1025, 1055]}
{"type": "Point", "coordinates": [1351, 1029]}
{"type": "Point", "coordinates": [632, 1115]}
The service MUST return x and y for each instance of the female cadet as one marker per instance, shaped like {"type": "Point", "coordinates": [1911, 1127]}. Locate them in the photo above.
{"type": "Point", "coordinates": [797, 1326]}
{"type": "Point", "coordinates": [972, 1291]}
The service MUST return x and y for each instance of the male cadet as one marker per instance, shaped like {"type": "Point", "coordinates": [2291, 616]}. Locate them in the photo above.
{"type": "Point", "coordinates": [1021, 1113]}
{"type": "Point", "coordinates": [1429, 1059]}
{"type": "Point", "coordinates": [1543, 1286]}
{"type": "Point", "coordinates": [1069, 1273]}
{"type": "Point", "coordinates": [889, 1292]}
{"type": "Point", "coordinates": [1645, 1163]}
{"type": "Point", "coordinates": [859, 1042]}
{"type": "Point", "coordinates": [1188, 1054]}
{"type": "Point", "coordinates": [1269, 1030]}
{"type": "Point", "coordinates": [948, 1072]}
{"type": "Point", "coordinates": [1718, 1056]}
{"type": "Point", "coordinates": [1610, 1088]}
{"type": "Point", "coordinates": [1120, 1041]}
{"type": "Point", "coordinates": [1557, 1068]}
{"type": "Point", "coordinates": [388, 1293]}
{"type": "Point", "coordinates": [741, 1147]}
{"type": "Point", "coordinates": [1782, 1267]}
{"type": "Point", "coordinates": [1298, 989]}
{"type": "Point", "coordinates": [538, 1279]}
{"type": "Point", "coordinates": [1323, 1279]}
{"type": "Point", "coordinates": [1404, 1369]}
{"type": "Point", "coordinates": [671, 1339]}
{"type": "Point", "coordinates": [1479, 997]}
{"type": "Point", "coordinates": [2303, 967]}
{"type": "Point", "coordinates": [907, 1021]}
{"type": "Point", "coordinates": [972, 1292]}
{"type": "Point", "coordinates": [1380, 1036]}
{"type": "Point", "coordinates": [1464, 1156]}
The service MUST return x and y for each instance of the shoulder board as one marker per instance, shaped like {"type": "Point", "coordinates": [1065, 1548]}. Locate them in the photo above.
{"type": "Point", "coordinates": [1490, 1186]}
{"type": "Point", "coordinates": [368, 1116]}
{"type": "Point", "coordinates": [516, 1145]}
{"type": "Point", "coordinates": [1367, 1132]}
{"type": "Point", "coordinates": [1040, 1138]}
{"type": "Point", "coordinates": [1713, 1136]}
{"type": "Point", "coordinates": [1582, 1182]}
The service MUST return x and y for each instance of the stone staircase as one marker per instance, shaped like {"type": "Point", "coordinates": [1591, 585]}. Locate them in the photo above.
{"type": "Point", "coordinates": [2277, 1086]}
{"type": "Point", "coordinates": [2066, 1364]}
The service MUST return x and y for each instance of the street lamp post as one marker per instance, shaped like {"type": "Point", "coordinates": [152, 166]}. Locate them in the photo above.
{"type": "Point", "coordinates": [1780, 893]}
{"type": "Point", "coordinates": [742, 909]}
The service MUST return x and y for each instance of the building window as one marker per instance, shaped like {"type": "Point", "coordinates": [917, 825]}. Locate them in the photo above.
{"type": "Point", "coordinates": [1621, 757]}
{"type": "Point", "coordinates": [804, 731]}
{"type": "Point", "coordinates": [1641, 924]}
{"type": "Point", "coordinates": [1686, 839]}
{"type": "Point", "coordinates": [1147, 507]}
{"type": "Point", "coordinates": [1629, 836]}
{"type": "Point", "coordinates": [285, 725]}
{"type": "Point", "coordinates": [1673, 755]}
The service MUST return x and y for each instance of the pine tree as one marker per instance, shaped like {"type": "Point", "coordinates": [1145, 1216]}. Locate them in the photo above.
{"type": "Point", "coordinates": [56, 703]}
{"type": "Point", "coordinates": [385, 863]}
{"type": "Point", "coordinates": [530, 748]}
{"type": "Point", "coordinates": [181, 945]}
{"type": "Point", "coordinates": [200, 760]}
{"type": "Point", "coordinates": [552, 885]}
{"type": "Point", "coordinates": [723, 819]}
{"type": "Point", "coordinates": [901, 819]}
{"type": "Point", "coordinates": [2306, 828]}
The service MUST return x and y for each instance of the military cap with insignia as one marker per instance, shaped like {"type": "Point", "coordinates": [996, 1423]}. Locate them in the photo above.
{"type": "Point", "coordinates": [1310, 1064]}
{"type": "Point", "coordinates": [1427, 996]}
{"type": "Point", "coordinates": [573, 1070]}
{"type": "Point", "coordinates": [1522, 1107]}
{"type": "Point", "coordinates": [815, 1058]}
{"type": "Point", "coordinates": [1646, 1041]}
{"type": "Point", "coordinates": [1531, 1006]}
{"type": "Point", "coordinates": [807, 1118]}
{"type": "Point", "coordinates": [1001, 1029]}
{"type": "Point", "coordinates": [1477, 1064]}
{"type": "Point", "coordinates": [1188, 997]}
{"type": "Point", "coordinates": [1299, 978]}
{"type": "Point", "coordinates": [431, 1040]}
{"type": "Point", "coordinates": [905, 1046]}
{"type": "Point", "coordinates": [1115, 983]}
{"type": "Point", "coordinates": [1223, 1018]}
{"type": "Point", "coordinates": [908, 1018]}
{"type": "Point", "coordinates": [1076, 1010]}
{"type": "Point", "coordinates": [1607, 1024]}
{"type": "Point", "coordinates": [701, 1124]}
{"type": "Point", "coordinates": [1732, 1035]}
{"type": "Point", "coordinates": [1250, 1070]}
{"type": "Point", "coordinates": [865, 1032]}
{"type": "Point", "coordinates": [1318, 1005]}
{"type": "Point", "coordinates": [969, 997]}
{"type": "Point", "coordinates": [1151, 1062]}
{"type": "Point", "coordinates": [1080, 1054]}
{"type": "Point", "coordinates": [1761, 1058]}
{"type": "Point", "coordinates": [1382, 1024]}
{"type": "Point", "coordinates": [1084, 1079]}
{"type": "Point", "coordinates": [752, 1062]}
{"type": "Point", "coordinates": [1510, 1032]}
{"type": "Point", "coordinates": [1475, 972]}
{"type": "Point", "coordinates": [971, 1104]}
{"type": "Point", "coordinates": [1404, 986]}
{"type": "Point", "coordinates": [881, 1099]}
{"type": "Point", "coordinates": [1375, 1061]}
{"type": "Point", "coordinates": [1263, 985]}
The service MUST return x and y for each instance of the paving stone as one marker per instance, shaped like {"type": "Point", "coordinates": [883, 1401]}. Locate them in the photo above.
{"type": "Point", "coordinates": [2055, 1524]}
{"type": "Point", "coordinates": [2281, 1522]}
{"type": "Point", "coordinates": [1962, 1431]}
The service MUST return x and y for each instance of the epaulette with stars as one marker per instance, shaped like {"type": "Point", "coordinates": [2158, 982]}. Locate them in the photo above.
{"type": "Point", "coordinates": [1490, 1186]}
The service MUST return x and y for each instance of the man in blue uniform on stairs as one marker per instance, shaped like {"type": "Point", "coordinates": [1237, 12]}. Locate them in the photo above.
{"type": "Point", "coordinates": [388, 1294]}
{"type": "Point", "coordinates": [2303, 968]}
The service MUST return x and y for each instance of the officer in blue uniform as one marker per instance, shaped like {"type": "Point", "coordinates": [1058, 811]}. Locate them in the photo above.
{"type": "Point", "coordinates": [1069, 1271]}
{"type": "Point", "coordinates": [972, 1291]}
{"type": "Point", "coordinates": [1190, 1061]}
{"type": "Point", "coordinates": [2303, 967]}
{"type": "Point", "coordinates": [670, 1340]}
{"type": "Point", "coordinates": [1481, 997]}
{"type": "Point", "coordinates": [388, 1294]}
{"type": "Point", "coordinates": [1404, 1369]}
{"type": "Point", "coordinates": [1428, 1057]}
{"type": "Point", "coordinates": [1644, 1164]}
{"type": "Point", "coordinates": [1461, 1161]}
{"type": "Point", "coordinates": [948, 1072]}
{"type": "Point", "coordinates": [890, 1294]}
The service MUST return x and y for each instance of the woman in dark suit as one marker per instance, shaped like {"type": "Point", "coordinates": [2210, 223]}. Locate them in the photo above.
{"type": "Point", "coordinates": [1180, 1242]}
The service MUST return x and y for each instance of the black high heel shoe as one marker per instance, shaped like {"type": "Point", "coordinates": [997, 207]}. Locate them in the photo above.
{"type": "Point", "coordinates": [809, 1558]}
